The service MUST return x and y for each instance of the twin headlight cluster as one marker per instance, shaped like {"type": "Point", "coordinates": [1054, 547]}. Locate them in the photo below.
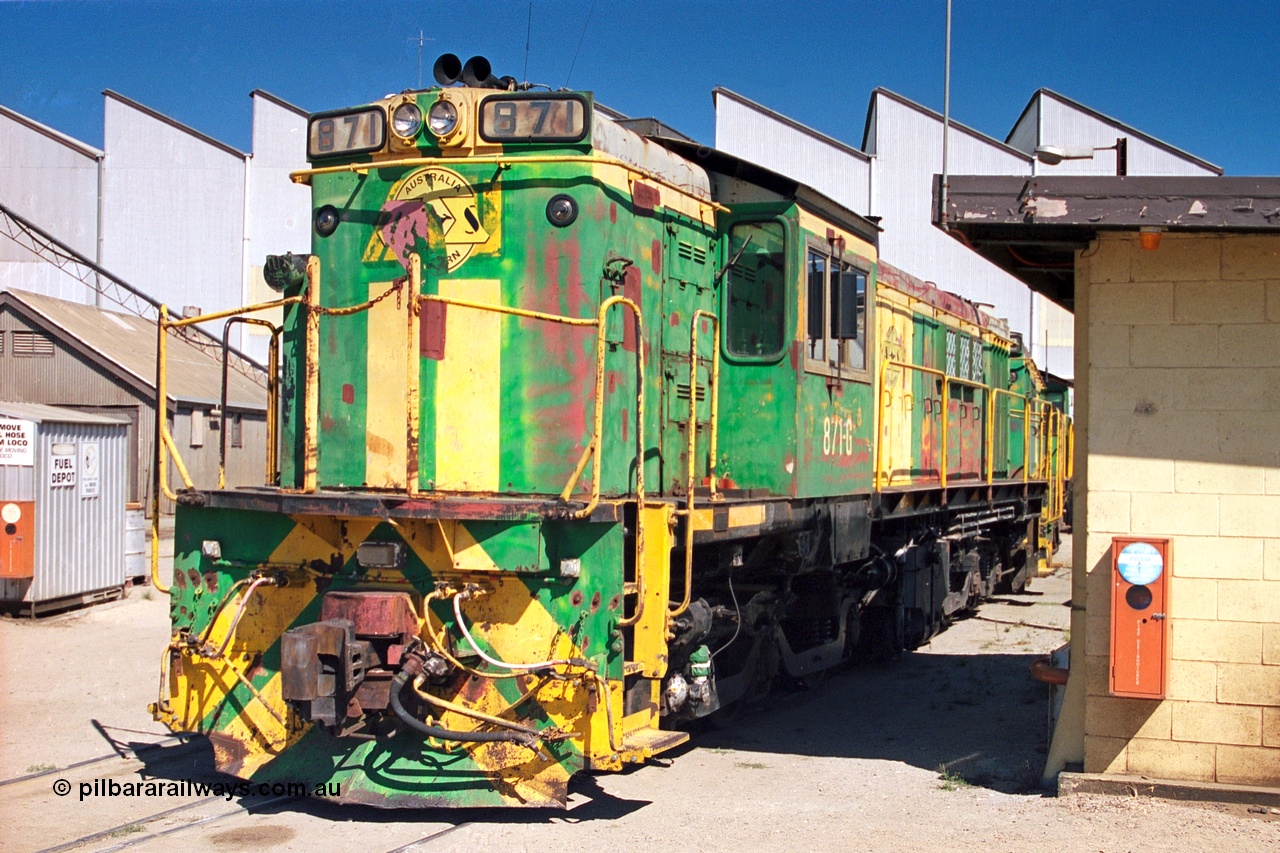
{"type": "Point", "coordinates": [441, 119]}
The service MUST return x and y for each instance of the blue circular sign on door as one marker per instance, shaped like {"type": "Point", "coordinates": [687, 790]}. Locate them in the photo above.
{"type": "Point", "coordinates": [1140, 563]}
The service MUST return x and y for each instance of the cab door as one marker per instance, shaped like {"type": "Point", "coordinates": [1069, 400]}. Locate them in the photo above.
{"type": "Point", "coordinates": [688, 297]}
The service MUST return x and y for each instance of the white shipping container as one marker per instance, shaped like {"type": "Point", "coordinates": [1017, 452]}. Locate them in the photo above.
{"type": "Point", "coordinates": [66, 499]}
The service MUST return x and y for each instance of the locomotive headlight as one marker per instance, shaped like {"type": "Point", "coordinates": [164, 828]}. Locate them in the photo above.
{"type": "Point", "coordinates": [406, 121]}
{"type": "Point", "coordinates": [442, 118]}
{"type": "Point", "coordinates": [562, 210]}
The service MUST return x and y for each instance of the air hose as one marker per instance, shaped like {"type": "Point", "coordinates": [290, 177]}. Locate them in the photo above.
{"type": "Point", "coordinates": [398, 685]}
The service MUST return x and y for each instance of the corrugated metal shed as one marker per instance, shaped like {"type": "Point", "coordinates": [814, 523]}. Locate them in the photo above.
{"type": "Point", "coordinates": [126, 345]}
{"type": "Point", "coordinates": [908, 139]}
{"type": "Point", "coordinates": [78, 530]}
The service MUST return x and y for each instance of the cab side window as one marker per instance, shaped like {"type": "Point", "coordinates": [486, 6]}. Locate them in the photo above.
{"type": "Point", "coordinates": [836, 328]}
{"type": "Point", "coordinates": [755, 304]}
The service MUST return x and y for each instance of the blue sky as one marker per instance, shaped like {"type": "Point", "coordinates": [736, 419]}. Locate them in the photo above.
{"type": "Point", "coordinates": [1200, 75]}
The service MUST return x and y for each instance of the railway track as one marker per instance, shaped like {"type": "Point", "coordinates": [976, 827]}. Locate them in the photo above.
{"type": "Point", "coordinates": [86, 805]}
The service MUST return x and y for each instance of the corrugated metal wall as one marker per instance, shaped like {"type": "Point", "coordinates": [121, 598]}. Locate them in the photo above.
{"type": "Point", "coordinates": [1065, 125]}
{"type": "Point", "coordinates": [79, 544]}
{"type": "Point", "coordinates": [245, 465]}
{"type": "Point", "coordinates": [840, 173]}
{"type": "Point", "coordinates": [909, 146]}
{"type": "Point", "coordinates": [63, 379]}
{"type": "Point", "coordinates": [279, 211]}
{"type": "Point", "coordinates": [53, 183]}
{"type": "Point", "coordinates": [174, 216]}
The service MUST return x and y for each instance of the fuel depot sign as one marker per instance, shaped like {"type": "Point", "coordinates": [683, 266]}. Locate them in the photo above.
{"type": "Point", "coordinates": [62, 465]}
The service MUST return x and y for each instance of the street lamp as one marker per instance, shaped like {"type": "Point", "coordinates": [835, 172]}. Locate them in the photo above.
{"type": "Point", "coordinates": [1052, 155]}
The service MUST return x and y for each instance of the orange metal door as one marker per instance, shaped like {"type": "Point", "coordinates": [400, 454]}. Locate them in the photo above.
{"type": "Point", "coordinates": [1140, 572]}
{"type": "Point", "coordinates": [17, 539]}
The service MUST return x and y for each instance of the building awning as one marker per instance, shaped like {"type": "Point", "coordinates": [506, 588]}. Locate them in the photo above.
{"type": "Point", "coordinates": [1032, 226]}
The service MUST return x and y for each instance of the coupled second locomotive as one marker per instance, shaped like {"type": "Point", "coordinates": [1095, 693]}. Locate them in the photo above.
{"type": "Point", "coordinates": [582, 431]}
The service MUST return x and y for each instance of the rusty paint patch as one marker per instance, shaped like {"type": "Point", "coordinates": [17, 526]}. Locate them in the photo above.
{"type": "Point", "coordinates": [675, 319]}
{"type": "Point", "coordinates": [348, 393]}
{"type": "Point", "coordinates": [655, 257]}
{"type": "Point", "coordinates": [644, 198]}
{"type": "Point", "coordinates": [377, 614]}
{"type": "Point", "coordinates": [576, 598]}
{"type": "Point", "coordinates": [431, 330]}
{"type": "Point", "coordinates": [613, 212]}
{"type": "Point", "coordinates": [595, 602]}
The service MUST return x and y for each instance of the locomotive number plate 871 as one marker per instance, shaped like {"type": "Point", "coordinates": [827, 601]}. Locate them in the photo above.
{"type": "Point", "coordinates": [541, 119]}
{"type": "Point", "coordinates": [346, 133]}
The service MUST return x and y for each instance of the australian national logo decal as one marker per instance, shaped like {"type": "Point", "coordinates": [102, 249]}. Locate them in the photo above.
{"type": "Point", "coordinates": [430, 193]}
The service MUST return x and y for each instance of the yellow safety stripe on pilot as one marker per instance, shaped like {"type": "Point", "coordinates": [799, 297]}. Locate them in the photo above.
{"type": "Point", "coordinates": [469, 384]}
{"type": "Point", "coordinates": [268, 615]}
{"type": "Point", "coordinates": [517, 628]}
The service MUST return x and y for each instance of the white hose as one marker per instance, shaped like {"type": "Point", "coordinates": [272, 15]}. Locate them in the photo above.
{"type": "Point", "coordinates": [462, 626]}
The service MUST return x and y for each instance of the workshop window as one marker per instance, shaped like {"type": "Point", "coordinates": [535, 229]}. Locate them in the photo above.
{"type": "Point", "coordinates": [197, 427]}
{"type": "Point", "coordinates": [755, 307]}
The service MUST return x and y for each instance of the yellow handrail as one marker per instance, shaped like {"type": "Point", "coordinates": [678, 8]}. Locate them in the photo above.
{"type": "Point", "coordinates": [947, 382]}
{"type": "Point", "coordinates": [593, 448]}
{"type": "Point", "coordinates": [713, 393]}
{"type": "Point", "coordinates": [273, 390]}
{"type": "Point", "coordinates": [311, 378]}
{"type": "Point", "coordinates": [518, 312]}
{"type": "Point", "coordinates": [991, 429]}
{"type": "Point", "coordinates": [164, 443]}
{"type": "Point", "coordinates": [413, 368]}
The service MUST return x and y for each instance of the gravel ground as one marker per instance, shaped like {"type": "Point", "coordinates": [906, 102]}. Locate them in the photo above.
{"type": "Point", "coordinates": [942, 749]}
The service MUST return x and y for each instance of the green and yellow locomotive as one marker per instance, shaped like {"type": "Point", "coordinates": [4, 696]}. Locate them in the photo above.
{"type": "Point", "coordinates": [580, 433]}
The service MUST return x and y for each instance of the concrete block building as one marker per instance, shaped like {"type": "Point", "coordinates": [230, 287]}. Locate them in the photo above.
{"type": "Point", "coordinates": [1176, 292]}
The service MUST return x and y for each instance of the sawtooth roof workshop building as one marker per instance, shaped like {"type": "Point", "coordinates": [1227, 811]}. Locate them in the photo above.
{"type": "Point", "coordinates": [889, 175]}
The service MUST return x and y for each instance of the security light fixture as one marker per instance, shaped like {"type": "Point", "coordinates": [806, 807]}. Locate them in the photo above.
{"type": "Point", "coordinates": [1052, 155]}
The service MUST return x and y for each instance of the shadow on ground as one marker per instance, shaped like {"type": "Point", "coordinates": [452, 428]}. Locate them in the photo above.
{"type": "Point", "coordinates": [976, 719]}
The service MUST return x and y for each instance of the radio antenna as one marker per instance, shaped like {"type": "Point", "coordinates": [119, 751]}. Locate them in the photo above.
{"type": "Point", "coordinates": [527, 33]}
{"type": "Point", "coordinates": [421, 39]}
{"type": "Point", "coordinates": [585, 21]}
